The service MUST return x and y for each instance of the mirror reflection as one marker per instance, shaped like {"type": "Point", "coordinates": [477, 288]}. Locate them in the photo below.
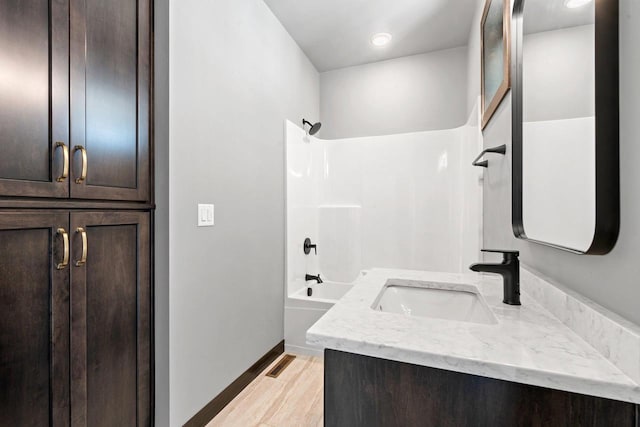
{"type": "Point", "coordinates": [558, 122]}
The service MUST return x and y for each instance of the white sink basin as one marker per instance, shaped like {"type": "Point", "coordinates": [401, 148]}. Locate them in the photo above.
{"type": "Point", "coordinates": [436, 300]}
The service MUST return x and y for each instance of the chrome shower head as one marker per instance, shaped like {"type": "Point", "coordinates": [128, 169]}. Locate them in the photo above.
{"type": "Point", "coordinates": [314, 127]}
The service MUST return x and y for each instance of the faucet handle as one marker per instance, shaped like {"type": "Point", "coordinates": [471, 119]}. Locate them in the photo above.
{"type": "Point", "coordinates": [308, 246]}
{"type": "Point", "coordinates": [507, 254]}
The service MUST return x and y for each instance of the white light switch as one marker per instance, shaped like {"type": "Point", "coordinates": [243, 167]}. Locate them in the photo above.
{"type": "Point", "coordinates": [205, 215]}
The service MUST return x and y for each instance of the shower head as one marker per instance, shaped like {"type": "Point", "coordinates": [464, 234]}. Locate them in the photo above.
{"type": "Point", "coordinates": [314, 128]}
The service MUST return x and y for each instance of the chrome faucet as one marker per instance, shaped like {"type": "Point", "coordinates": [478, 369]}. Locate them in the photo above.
{"type": "Point", "coordinates": [509, 269]}
{"type": "Point", "coordinates": [317, 278]}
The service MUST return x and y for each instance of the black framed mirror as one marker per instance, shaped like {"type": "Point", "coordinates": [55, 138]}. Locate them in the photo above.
{"type": "Point", "coordinates": [565, 91]}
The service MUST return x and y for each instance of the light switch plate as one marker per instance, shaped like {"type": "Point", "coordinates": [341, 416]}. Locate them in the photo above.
{"type": "Point", "coordinates": [205, 215]}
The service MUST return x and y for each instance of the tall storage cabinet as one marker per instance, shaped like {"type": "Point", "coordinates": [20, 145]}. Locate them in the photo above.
{"type": "Point", "coordinates": [76, 213]}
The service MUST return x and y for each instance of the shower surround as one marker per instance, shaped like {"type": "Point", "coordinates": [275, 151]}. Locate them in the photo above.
{"type": "Point", "coordinates": [406, 201]}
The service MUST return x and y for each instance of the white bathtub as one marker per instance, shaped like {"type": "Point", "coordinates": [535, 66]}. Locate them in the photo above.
{"type": "Point", "coordinates": [328, 292]}
{"type": "Point", "coordinates": [302, 311]}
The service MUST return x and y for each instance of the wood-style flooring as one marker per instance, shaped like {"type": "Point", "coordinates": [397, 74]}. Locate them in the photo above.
{"type": "Point", "coordinates": [294, 399]}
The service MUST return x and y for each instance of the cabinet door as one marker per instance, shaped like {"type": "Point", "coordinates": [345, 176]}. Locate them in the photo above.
{"type": "Point", "coordinates": [110, 81]}
{"type": "Point", "coordinates": [34, 332]}
{"type": "Point", "coordinates": [34, 97]}
{"type": "Point", "coordinates": [110, 319]}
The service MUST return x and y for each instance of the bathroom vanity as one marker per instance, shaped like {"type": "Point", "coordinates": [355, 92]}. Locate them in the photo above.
{"type": "Point", "coordinates": [367, 391]}
{"type": "Point", "coordinates": [490, 364]}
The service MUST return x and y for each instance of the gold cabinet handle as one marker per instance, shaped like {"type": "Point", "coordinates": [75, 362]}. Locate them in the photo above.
{"type": "Point", "coordinates": [65, 165]}
{"type": "Point", "coordinates": [83, 260]}
{"type": "Point", "coordinates": [65, 257]}
{"type": "Point", "coordinates": [83, 174]}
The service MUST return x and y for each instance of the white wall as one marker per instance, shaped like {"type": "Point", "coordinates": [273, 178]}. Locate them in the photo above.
{"type": "Point", "coordinates": [408, 201]}
{"type": "Point", "coordinates": [409, 94]}
{"type": "Point", "coordinates": [609, 280]}
{"type": "Point", "coordinates": [235, 76]}
{"type": "Point", "coordinates": [566, 89]}
{"type": "Point", "coordinates": [474, 59]}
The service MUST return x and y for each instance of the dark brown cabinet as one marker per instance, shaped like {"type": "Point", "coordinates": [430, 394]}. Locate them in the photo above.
{"type": "Point", "coordinates": [75, 298]}
{"type": "Point", "coordinates": [34, 332]}
{"type": "Point", "coordinates": [34, 98]}
{"type": "Point", "coordinates": [110, 319]}
{"type": "Point", "coordinates": [110, 78]}
{"type": "Point", "coordinates": [74, 99]}
{"type": "Point", "coordinates": [364, 391]}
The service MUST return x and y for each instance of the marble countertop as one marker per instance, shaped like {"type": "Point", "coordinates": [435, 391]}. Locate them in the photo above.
{"type": "Point", "coordinates": [528, 344]}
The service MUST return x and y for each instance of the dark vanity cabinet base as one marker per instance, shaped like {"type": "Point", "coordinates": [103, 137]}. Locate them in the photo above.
{"type": "Point", "coordinates": [367, 391]}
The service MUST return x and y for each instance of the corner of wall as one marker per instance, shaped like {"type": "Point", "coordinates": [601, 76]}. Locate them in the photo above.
{"type": "Point", "coordinates": [473, 58]}
{"type": "Point", "coordinates": [161, 217]}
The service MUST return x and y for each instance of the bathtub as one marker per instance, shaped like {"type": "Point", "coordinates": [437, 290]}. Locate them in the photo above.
{"type": "Point", "coordinates": [302, 311]}
{"type": "Point", "coordinates": [326, 292]}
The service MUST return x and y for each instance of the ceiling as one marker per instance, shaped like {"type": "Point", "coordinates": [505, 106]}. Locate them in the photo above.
{"type": "Point", "coordinates": [337, 33]}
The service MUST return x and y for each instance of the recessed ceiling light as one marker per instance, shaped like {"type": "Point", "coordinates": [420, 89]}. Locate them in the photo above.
{"type": "Point", "coordinates": [572, 4]}
{"type": "Point", "coordinates": [380, 39]}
